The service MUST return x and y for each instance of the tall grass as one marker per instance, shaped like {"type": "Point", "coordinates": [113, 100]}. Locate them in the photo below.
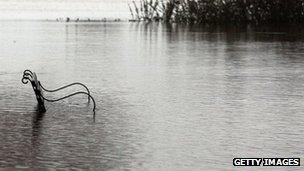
{"type": "Point", "coordinates": [151, 10]}
{"type": "Point", "coordinates": [219, 11]}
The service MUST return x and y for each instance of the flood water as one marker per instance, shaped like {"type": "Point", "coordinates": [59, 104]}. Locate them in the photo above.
{"type": "Point", "coordinates": [168, 97]}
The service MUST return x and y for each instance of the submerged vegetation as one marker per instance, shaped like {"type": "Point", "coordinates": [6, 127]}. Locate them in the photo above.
{"type": "Point", "coordinates": [218, 11]}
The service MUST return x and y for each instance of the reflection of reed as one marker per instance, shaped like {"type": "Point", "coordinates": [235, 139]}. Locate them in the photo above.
{"type": "Point", "coordinates": [219, 11]}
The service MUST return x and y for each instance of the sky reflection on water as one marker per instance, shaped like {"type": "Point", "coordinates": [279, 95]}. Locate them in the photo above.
{"type": "Point", "coordinates": [168, 97]}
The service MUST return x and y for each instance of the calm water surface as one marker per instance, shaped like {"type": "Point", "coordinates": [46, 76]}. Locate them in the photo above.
{"type": "Point", "coordinates": [168, 97]}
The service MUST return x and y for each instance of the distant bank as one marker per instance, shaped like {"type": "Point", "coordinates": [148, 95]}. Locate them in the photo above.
{"type": "Point", "coordinates": [68, 19]}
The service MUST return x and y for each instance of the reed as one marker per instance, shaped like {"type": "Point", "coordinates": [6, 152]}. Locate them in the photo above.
{"type": "Point", "coordinates": [151, 10]}
{"type": "Point", "coordinates": [219, 11]}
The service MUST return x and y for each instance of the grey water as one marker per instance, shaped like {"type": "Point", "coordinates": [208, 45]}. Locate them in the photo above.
{"type": "Point", "coordinates": [169, 97]}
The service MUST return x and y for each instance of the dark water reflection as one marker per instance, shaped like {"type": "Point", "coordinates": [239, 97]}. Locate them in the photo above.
{"type": "Point", "coordinates": [168, 97]}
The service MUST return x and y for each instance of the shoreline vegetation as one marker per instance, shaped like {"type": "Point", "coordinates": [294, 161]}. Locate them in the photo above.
{"type": "Point", "coordinates": [68, 19]}
{"type": "Point", "coordinates": [218, 11]}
